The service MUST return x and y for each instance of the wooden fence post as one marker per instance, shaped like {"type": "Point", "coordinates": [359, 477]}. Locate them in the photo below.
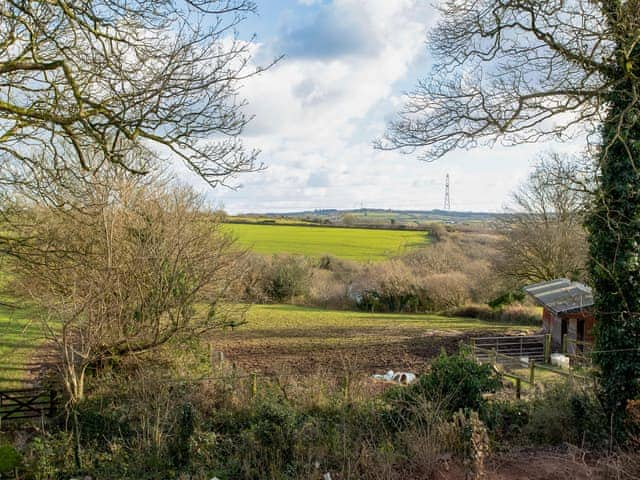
{"type": "Point", "coordinates": [518, 388]}
{"type": "Point", "coordinates": [547, 348]}
{"type": "Point", "coordinates": [494, 357]}
{"type": "Point", "coordinates": [473, 349]}
{"type": "Point", "coordinates": [532, 371]}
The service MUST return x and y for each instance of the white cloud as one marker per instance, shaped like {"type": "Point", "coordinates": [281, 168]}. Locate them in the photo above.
{"type": "Point", "coordinates": [317, 112]}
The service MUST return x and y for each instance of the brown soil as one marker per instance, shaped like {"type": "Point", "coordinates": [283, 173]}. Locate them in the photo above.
{"type": "Point", "coordinates": [308, 355]}
{"type": "Point", "coordinates": [534, 464]}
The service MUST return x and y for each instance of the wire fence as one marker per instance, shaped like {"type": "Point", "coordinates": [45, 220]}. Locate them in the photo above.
{"type": "Point", "coordinates": [527, 360]}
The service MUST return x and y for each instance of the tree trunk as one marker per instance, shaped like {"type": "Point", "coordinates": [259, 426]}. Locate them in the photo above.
{"type": "Point", "coordinates": [614, 238]}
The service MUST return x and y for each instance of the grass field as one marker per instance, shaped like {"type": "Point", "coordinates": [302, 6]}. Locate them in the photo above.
{"type": "Point", "coordinates": [19, 338]}
{"type": "Point", "coordinates": [285, 338]}
{"type": "Point", "coordinates": [303, 340]}
{"type": "Point", "coordinates": [349, 243]}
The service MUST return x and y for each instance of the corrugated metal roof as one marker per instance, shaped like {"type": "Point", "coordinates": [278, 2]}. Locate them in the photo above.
{"type": "Point", "coordinates": [561, 295]}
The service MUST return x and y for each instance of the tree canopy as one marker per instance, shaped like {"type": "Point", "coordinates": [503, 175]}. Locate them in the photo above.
{"type": "Point", "coordinates": [76, 76]}
{"type": "Point", "coordinates": [519, 71]}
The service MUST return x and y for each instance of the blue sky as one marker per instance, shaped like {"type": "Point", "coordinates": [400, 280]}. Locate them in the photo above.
{"type": "Point", "coordinates": [347, 64]}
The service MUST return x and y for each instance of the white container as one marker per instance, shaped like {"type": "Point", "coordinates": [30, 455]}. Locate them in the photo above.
{"type": "Point", "coordinates": [560, 360]}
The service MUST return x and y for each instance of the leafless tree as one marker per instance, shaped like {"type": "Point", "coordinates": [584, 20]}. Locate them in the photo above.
{"type": "Point", "coordinates": [143, 264]}
{"type": "Point", "coordinates": [112, 74]}
{"type": "Point", "coordinates": [519, 71]}
{"type": "Point", "coordinates": [544, 234]}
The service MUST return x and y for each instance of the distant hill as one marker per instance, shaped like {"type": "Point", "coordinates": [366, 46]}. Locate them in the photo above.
{"type": "Point", "coordinates": [378, 216]}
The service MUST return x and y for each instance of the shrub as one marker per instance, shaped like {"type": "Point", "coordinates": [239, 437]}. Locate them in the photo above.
{"type": "Point", "coordinates": [327, 290]}
{"type": "Point", "coordinates": [454, 382]}
{"type": "Point", "coordinates": [389, 287]}
{"type": "Point", "coordinates": [437, 231]}
{"type": "Point", "coordinates": [505, 420]}
{"type": "Point", "coordinates": [180, 448]}
{"type": "Point", "coordinates": [509, 314]}
{"type": "Point", "coordinates": [565, 414]}
{"type": "Point", "coordinates": [473, 310]}
{"type": "Point", "coordinates": [254, 270]}
{"type": "Point", "coordinates": [258, 442]}
{"type": "Point", "coordinates": [520, 314]}
{"type": "Point", "coordinates": [441, 257]}
{"type": "Point", "coordinates": [10, 459]}
{"type": "Point", "coordinates": [506, 299]}
{"type": "Point", "coordinates": [288, 277]}
{"type": "Point", "coordinates": [50, 456]}
{"type": "Point", "coordinates": [446, 290]}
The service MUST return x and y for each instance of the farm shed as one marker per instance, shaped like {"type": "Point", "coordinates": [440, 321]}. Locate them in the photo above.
{"type": "Point", "coordinates": [567, 309]}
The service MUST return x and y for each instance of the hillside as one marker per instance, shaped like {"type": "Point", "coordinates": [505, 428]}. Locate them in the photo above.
{"type": "Point", "coordinates": [376, 217]}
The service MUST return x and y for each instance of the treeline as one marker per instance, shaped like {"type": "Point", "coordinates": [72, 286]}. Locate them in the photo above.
{"type": "Point", "coordinates": [456, 270]}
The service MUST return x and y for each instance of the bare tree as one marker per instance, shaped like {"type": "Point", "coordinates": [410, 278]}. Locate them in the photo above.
{"type": "Point", "coordinates": [146, 263]}
{"type": "Point", "coordinates": [544, 235]}
{"type": "Point", "coordinates": [519, 71]}
{"type": "Point", "coordinates": [112, 74]}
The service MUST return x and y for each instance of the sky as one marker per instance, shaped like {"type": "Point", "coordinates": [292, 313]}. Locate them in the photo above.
{"type": "Point", "coordinates": [346, 66]}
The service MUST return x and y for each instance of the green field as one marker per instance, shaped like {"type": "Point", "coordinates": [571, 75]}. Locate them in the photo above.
{"type": "Point", "coordinates": [292, 338]}
{"type": "Point", "coordinates": [279, 317]}
{"type": "Point", "coordinates": [304, 340]}
{"type": "Point", "coordinates": [350, 243]}
{"type": "Point", "coordinates": [19, 338]}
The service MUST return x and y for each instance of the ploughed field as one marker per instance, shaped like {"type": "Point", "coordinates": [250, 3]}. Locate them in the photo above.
{"type": "Point", "coordinates": [350, 243]}
{"type": "Point", "coordinates": [298, 340]}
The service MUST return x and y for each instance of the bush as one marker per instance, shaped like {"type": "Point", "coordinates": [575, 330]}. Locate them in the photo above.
{"type": "Point", "coordinates": [446, 290]}
{"type": "Point", "coordinates": [10, 459]}
{"type": "Point", "coordinates": [473, 310]}
{"type": "Point", "coordinates": [564, 414]}
{"type": "Point", "coordinates": [520, 314]}
{"type": "Point", "coordinates": [454, 382]}
{"type": "Point", "coordinates": [437, 231]}
{"type": "Point", "coordinates": [288, 278]}
{"type": "Point", "coordinates": [327, 290]}
{"type": "Point", "coordinates": [269, 440]}
{"type": "Point", "coordinates": [506, 299]}
{"type": "Point", "coordinates": [505, 419]}
{"type": "Point", "coordinates": [509, 314]}
{"type": "Point", "coordinates": [388, 287]}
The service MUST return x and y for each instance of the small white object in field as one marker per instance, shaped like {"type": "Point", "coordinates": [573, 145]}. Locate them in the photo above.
{"type": "Point", "coordinates": [404, 378]}
{"type": "Point", "coordinates": [326, 476]}
{"type": "Point", "coordinates": [524, 361]}
{"type": "Point", "coordinates": [387, 376]}
{"type": "Point", "coordinates": [560, 360]}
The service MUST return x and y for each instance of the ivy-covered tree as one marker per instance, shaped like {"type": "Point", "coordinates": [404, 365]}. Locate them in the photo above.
{"type": "Point", "coordinates": [520, 71]}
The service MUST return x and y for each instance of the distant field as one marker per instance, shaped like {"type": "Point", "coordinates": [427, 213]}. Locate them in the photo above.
{"type": "Point", "coordinates": [303, 340]}
{"type": "Point", "coordinates": [19, 338]}
{"type": "Point", "coordinates": [350, 243]}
